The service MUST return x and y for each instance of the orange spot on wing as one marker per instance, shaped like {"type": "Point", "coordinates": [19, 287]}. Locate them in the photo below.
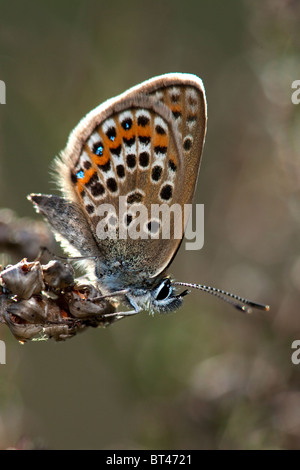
{"type": "Point", "coordinates": [83, 181]}
{"type": "Point", "coordinates": [144, 131]}
{"type": "Point", "coordinates": [175, 108]}
{"type": "Point", "coordinates": [101, 160]}
{"type": "Point", "coordinates": [161, 140]}
{"type": "Point", "coordinates": [128, 133]}
{"type": "Point", "coordinates": [135, 130]}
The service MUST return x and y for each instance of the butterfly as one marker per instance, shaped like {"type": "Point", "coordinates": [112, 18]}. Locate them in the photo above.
{"type": "Point", "coordinates": [143, 148]}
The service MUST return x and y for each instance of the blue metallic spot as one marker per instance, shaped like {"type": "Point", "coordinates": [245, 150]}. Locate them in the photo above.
{"type": "Point", "coordinates": [80, 174]}
{"type": "Point", "coordinates": [126, 124]}
{"type": "Point", "coordinates": [99, 150]}
{"type": "Point", "coordinates": [111, 133]}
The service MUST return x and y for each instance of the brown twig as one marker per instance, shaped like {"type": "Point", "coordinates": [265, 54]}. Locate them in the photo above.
{"type": "Point", "coordinates": [23, 237]}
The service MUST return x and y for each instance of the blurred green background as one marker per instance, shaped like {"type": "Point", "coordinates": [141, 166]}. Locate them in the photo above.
{"type": "Point", "coordinates": [206, 376]}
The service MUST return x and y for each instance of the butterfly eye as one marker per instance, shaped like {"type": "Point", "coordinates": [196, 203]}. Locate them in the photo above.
{"type": "Point", "coordinates": [164, 299]}
{"type": "Point", "coordinates": [164, 290]}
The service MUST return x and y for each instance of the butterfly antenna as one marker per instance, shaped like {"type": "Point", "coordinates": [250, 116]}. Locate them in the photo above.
{"type": "Point", "coordinates": [236, 301]}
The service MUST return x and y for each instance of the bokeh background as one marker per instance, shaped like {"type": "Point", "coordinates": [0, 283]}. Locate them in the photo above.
{"type": "Point", "coordinates": [206, 376]}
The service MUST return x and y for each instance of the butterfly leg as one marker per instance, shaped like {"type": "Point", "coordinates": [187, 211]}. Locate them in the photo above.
{"type": "Point", "coordinates": [128, 313]}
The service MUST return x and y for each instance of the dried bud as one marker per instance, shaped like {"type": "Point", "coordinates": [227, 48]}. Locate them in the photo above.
{"type": "Point", "coordinates": [58, 275]}
{"type": "Point", "coordinates": [30, 310]}
{"type": "Point", "coordinates": [41, 316]}
{"type": "Point", "coordinates": [85, 300]}
{"type": "Point", "coordinates": [23, 279]}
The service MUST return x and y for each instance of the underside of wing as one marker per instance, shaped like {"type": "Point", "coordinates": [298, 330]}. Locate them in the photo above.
{"type": "Point", "coordinates": [142, 148]}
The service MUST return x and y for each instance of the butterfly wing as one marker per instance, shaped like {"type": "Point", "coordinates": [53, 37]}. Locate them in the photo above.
{"type": "Point", "coordinates": [145, 147]}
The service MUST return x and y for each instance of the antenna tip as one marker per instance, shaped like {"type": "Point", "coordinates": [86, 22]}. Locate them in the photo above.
{"type": "Point", "coordinates": [245, 309]}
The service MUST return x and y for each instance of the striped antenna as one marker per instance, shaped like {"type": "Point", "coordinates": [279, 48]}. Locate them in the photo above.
{"type": "Point", "coordinates": [236, 301]}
